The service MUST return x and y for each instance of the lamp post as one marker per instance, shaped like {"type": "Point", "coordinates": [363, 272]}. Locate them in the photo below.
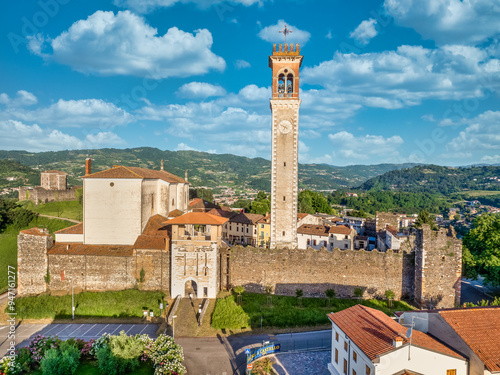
{"type": "Point", "coordinates": [173, 326]}
{"type": "Point", "coordinates": [72, 301]}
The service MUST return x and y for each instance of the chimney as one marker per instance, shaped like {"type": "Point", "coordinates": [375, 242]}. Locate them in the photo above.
{"type": "Point", "coordinates": [397, 341]}
{"type": "Point", "coordinates": [88, 166]}
{"type": "Point", "coordinates": [161, 165]}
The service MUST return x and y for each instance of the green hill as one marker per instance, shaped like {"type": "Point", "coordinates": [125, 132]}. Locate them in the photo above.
{"type": "Point", "coordinates": [437, 179]}
{"type": "Point", "coordinates": [13, 174]}
{"type": "Point", "coordinates": [203, 169]}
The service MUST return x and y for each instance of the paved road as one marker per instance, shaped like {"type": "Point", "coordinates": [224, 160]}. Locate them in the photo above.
{"type": "Point", "coordinates": [226, 355]}
{"type": "Point", "coordinates": [24, 332]}
{"type": "Point", "coordinates": [473, 293]}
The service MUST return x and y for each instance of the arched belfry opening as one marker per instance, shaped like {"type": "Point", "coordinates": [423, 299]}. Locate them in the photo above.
{"type": "Point", "coordinates": [281, 85]}
{"type": "Point", "coordinates": [289, 84]}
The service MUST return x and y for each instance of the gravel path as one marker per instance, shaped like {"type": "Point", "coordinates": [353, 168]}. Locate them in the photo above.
{"type": "Point", "coordinates": [311, 363]}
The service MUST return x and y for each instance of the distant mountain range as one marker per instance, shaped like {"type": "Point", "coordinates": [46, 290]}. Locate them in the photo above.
{"type": "Point", "coordinates": [437, 179]}
{"type": "Point", "coordinates": [203, 169]}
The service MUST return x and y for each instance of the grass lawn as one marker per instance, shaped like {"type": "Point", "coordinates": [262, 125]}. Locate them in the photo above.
{"type": "Point", "coordinates": [90, 368]}
{"type": "Point", "coordinates": [286, 311]}
{"type": "Point", "coordinates": [125, 303]}
{"type": "Point", "coordinates": [67, 209]}
{"type": "Point", "coordinates": [8, 243]}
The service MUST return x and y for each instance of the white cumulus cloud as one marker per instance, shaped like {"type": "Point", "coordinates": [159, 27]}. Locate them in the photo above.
{"type": "Point", "coordinates": [242, 64]}
{"type": "Point", "coordinates": [448, 21]}
{"type": "Point", "coordinates": [146, 6]}
{"type": "Point", "coordinates": [123, 44]}
{"type": "Point", "coordinates": [365, 31]}
{"type": "Point", "coordinates": [23, 98]}
{"type": "Point", "coordinates": [200, 90]}
{"type": "Point", "coordinates": [349, 146]}
{"type": "Point", "coordinates": [481, 134]}
{"type": "Point", "coordinates": [272, 34]}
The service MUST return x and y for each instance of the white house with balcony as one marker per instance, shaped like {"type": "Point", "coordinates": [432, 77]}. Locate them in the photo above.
{"type": "Point", "coordinates": [365, 341]}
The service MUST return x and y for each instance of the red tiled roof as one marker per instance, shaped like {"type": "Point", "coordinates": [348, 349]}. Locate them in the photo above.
{"type": "Point", "coordinates": [54, 171]}
{"type": "Point", "coordinates": [62, 248]}
{"type": "Point", "coordinates": [245, 218]}
{"type": "Point", "coordinates": [373, 332]}
{"type": "Point", "coordinates": [301, 215]}
{"type": "Point", "coordinates": [199, 203]}
{"type": "Point", "coordinates": [317, 230]}
{"type": "Point", "coordinates": [340, 229]}
{"type": "Point", "coordinates": [36, 232]}
{"type": "Point", "coordinates": [222, 213]}
{"type": "Point", "coordinates": [175, 213]}
{"type": "Point", "coordinates": [120, 171]}
{"type": "Point", "coordinates": [75, 229]}
{"type": "Point", "coordinates": [392, 230]}
{"type": "Point", "coordinates": [197, 218]}
{"type": "Point", "coordinates": [480, 329]}
{"type": "Point", "coordinates": [265, 220]}
{"type": "Point", "coordinates": [154, 235]}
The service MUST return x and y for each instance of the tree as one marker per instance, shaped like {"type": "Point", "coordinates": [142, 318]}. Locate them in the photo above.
{"type": "Point", "coordinates": [239, 290]}
{"type": "Point", "coordinates": [483, 245]}
{"type": "Point", "coordinates": [261, 204]}
{"type": "Point", "coordinates": [330, 293]}
{"type": "Point", "coordinates": [424, 217]}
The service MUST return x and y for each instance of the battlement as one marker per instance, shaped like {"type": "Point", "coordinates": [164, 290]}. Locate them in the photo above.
{"type": "Point", "coordinates": [284, 50]}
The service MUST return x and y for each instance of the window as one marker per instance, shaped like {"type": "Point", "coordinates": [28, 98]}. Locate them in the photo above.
{"type": "Point", "coordinates": [346, 237]}
{"type": "Point", "coordinates": [237, 229]}
{"type": "Point", "coordinates": [262, 226]}
{"type": "Point", "coordinates": [230, 227]}
{"type": "Point", "coordinates": [314, 242]}
{"type": "Point", "coordinates": [346, 246]}
{"type": "Point", "coordinates": [336, 356]}
{"type": "Point", "coordinates": [247, 229]}
{"type": "Point", "coordinates": [284, 163]}
{"type": "Point", "coordinates": [353, 372]}
{"type": "Point", "coordinates": [368, 370]}
{"type": "Point", "coordinates": [337, 336]}
{"type": "Point", "coordinates": [284, 198]}
{"type": "Point", "coordinates": [451, 372]}
{"type": "Point", "coordinates": [345, 346]}
{"type": "Point", "coordinates": [308, 242]}
{"type": "Point", "coordinates": [345, 366]}
{"type": "Point", "coordinates": [283, 233]}
{"type": "Point", "coordinates": [355, 356]}
{"type": "Point", "coordinates": [172, 202]}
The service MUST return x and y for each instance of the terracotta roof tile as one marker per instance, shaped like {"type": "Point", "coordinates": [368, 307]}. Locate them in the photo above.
{"type": "Point", "coordinates": [137, 173]}
{"type": "Point", "coordinates": [373, 332]}
{"type": "Point", "coordinates": [340, 229]}
{"type": "Point", "coordinates": [62, 248]}
{"type": "Point", "coordinates": [222, 213]}
{"type": "Point", "coordinates": [197, 218]}
{"type": "Point", "coordinates": [392, 230]}
{"type": "Point", "coordinates": [245, 218]}
{"type": "Point", "coordinates": [36, 231]}
{"type": "Point", "coordinates": [265, 220]}
{"type": "Point", "coordinates": [480, 329]}
{"type": "Point", "coordinates": [301, 215]}
{"type": "Point", "coordinates": [75, 229]}
{"type": "Point", "coordinates": [155, 235]}
{"type": "Point", "coordinates": [317, 230]}
{"type": "Point", "coordinates": [175, 213]}
{"type": "Point", "coordinates": [200, 204]}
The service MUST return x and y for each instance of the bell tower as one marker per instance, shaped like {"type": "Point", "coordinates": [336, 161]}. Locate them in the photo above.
{"type": "Point", "coordinates": [285, 63]}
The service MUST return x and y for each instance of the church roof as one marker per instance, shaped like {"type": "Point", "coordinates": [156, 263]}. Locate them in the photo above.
{"type": "Point", "coordinates": [119, 171]}
{"type": "Point", "coordinates": [75, 229]}
{"type": "Point", "coordinates": [154, 235]}
{"type": "Point", "coordinates": [197, 218]}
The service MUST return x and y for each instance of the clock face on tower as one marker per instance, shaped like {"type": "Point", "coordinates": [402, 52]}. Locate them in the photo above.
{"type": "Point", "coordinates": [284, 127]}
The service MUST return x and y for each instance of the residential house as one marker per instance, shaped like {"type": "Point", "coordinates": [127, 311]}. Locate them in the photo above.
{"type": "Point", "coordinates": [303, 218]}
{"type": "Point", "coordinates": [264, 231]}
{"type": "Point", "coordinates": [365, 341]}
{"type": "Point", "coordinates": [361, 242]}
{"type": "Point", "coordinates": [473, 332]}
{"type": "Point", "coordinates": [389, 239]}
{"type": "Point", "coordinates": [242, 229]}
{"type": "Point", "coordinates": [356, 223]}
{"type": "Point", "coordinates": [318, 236]}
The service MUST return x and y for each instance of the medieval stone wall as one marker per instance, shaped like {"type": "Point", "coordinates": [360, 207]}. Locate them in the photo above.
{"type": "Point", "coordinates": [314, 271]}
{"type": "Point", "coordinates": [32, 246]}
{"type": "Point", "coordinates": [40, 195]}
{"type": "Point", "coordinates": [100, 273]}
{"type": "Point", "coordinates": [438, 268]}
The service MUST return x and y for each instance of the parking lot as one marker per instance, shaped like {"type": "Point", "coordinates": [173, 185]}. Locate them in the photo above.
{"type": "Point", "coordinates": [25, 332]}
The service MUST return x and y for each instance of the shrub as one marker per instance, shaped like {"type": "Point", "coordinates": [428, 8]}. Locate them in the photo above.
{"type": "Point", "coordinates": [228, 315]}
{"type": "Point", "coordinates": [39, 345]}
{"type": "Point", "coordinates": [120, 355]}
{"type": "Point", "coordinates": [167, 356]}
{"type": "Point", "coordinates": [239, 289]}
{"type": "Point", "coordinates": [330, 293]}
{"type": "Point", "coordinates": [99, 343]}
{"type": "Point", "coordinates": [63, 360]}
{"type": "Point", "coordinates": [389, 294]}
{"type": "Point", "coordinates": [87, 348]}
{"type": "Point", "coordinates": [358, 292]}
{"type": "Point", "coordinates": [299, 293]}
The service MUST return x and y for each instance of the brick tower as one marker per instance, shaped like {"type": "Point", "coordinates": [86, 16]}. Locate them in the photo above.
{"type": "Point", "coordinates": [285, 63]}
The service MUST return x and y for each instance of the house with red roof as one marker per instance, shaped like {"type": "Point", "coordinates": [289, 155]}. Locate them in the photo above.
{"type": "Point", "coordinates": [366, 341]}
{"type": "Point", "coordinates": [329, 237]}
{"type": "Point", "coordinates": [474, 332]}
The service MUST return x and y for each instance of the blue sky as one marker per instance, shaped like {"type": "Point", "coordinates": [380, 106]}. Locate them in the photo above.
{"type": "Point", "coordinates": [381, 81]}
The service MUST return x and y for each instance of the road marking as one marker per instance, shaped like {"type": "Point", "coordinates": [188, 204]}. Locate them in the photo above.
{"type": "Point", "coordinates": [142, 330]}
{"type": "Point", "coordinates": [98, 333]}
{"type": "Point", "coordinates": [88, 330]}
{"type": "Point", "coordinates": [128, 330]}
{"type": "Point", "coordinates": [116, 329]}
{"type": "Point", "coordinates": [81, 325]}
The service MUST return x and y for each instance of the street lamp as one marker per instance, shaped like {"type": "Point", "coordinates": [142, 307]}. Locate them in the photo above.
{"type": "Point", "coordinates": [72, 301]}
{"type": "Point", "coordinates": [173, 326]}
